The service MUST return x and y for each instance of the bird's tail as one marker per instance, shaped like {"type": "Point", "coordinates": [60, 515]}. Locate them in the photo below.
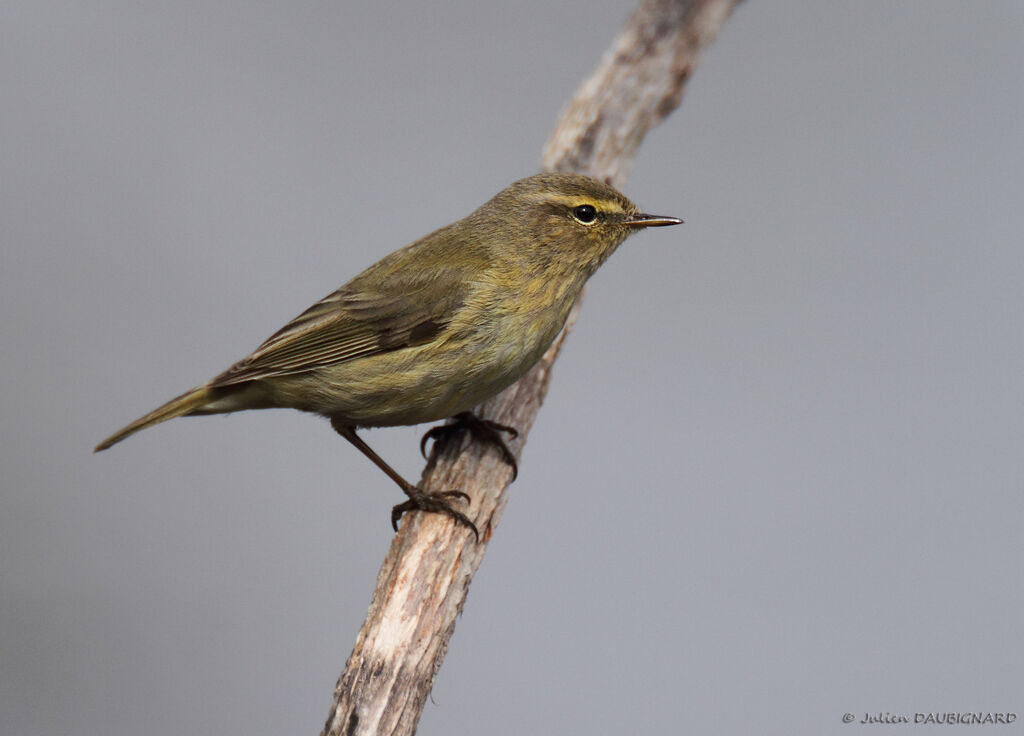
{"type": "Point", "coordinates": [187, 403]}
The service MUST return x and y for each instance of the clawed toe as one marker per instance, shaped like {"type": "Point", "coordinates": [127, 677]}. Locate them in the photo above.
{"type": "Point", "coordinates": [455, 494]}
{"type": "Point", "coordinates": [481, 429]}
{"type": "Point", "coordinates": [436, 502]}
{"type": "Point", "coordinates": [418, 499]}
{"type": "Point", "coordinates": [512, 432]}
{"type": "Point", "coordinates": [436, 433]}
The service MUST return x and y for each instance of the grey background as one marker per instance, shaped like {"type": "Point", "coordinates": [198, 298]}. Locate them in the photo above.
{"type": "Point", "coordinates": [779, 473]}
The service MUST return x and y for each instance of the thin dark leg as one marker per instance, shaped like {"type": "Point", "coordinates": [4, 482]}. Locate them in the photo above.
{"type": "Point", "coordinates": [419, 500]}
{"type": "Point", "coordinates": [481, 429]}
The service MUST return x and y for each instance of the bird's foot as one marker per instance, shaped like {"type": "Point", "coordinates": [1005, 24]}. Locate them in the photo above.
{"type": "Point", "coordinates": [420, 500]}
{"type": "Point", "coordinates": [480, 429]}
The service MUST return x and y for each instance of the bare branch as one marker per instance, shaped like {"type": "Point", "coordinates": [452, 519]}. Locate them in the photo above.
{"type": "Point", "coordinates": [423, 582]}
{"type": "Point", "coordinates": [636, 85]}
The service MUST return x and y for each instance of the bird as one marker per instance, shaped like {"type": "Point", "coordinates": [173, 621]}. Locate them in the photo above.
{"type": "Point", "coordinates": [435, 328]}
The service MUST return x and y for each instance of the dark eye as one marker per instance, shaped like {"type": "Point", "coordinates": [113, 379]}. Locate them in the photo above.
{"type": "Point", "coordinates": [585, 213]}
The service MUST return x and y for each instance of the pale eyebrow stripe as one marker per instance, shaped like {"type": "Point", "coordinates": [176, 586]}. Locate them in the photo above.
{"type": "Point", "coordinates": [573, 200]}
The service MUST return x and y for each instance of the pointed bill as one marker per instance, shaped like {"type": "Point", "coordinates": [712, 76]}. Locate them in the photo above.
{"type": "Point", "coordinates": [651, 221]}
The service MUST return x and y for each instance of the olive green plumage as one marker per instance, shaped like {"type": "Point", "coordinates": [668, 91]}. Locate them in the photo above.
{"type": "Point", "coordinates": [439, 326]}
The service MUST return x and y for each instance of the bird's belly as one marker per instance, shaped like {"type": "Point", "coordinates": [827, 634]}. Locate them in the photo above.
{"type": "Point", "coordinates": [421, 384]}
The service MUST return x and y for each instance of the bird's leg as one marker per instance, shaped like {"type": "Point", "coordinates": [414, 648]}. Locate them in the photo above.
{"type": "Point", "coordinates": [481, 429]}
{"type": "Point", "coordinates": [419, 500]}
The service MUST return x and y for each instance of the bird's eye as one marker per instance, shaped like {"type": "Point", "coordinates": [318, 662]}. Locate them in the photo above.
{"type": "Point", "coordinates": [585, 213]}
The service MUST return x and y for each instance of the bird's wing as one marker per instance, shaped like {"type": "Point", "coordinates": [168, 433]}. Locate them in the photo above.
{"type": "Point", "coordinates": [354, 323]}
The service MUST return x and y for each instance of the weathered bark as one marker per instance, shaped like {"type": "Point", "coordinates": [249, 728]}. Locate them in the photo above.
{"type": "Point", "coordinates": [423, 581]}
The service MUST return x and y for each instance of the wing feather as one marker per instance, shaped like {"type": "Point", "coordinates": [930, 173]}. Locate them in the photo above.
{"type": "Point", "coordinates": [408, 298]}
{"type": "Point", "coordinates": [347, 325]}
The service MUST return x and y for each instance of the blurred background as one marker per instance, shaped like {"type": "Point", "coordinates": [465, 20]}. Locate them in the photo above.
{"type": "Point", "coordinates": [779, 473]}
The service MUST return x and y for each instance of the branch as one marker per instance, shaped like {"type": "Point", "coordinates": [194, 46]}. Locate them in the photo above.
{"type": "Point", "coordinates": [423, 582]}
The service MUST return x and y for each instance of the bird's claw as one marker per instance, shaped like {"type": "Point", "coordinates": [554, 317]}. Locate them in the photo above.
{"type": "Point", "coordinates": [437, 502]}
{"type": "Point", "coordinates": [481, 429]}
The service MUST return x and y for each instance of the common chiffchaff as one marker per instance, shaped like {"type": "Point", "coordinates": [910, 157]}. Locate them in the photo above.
{"type": "Point", "coordinates": [435, 328]}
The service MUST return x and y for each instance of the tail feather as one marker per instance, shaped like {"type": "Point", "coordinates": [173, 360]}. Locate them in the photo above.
{"type": "Point", "coordinates": [177, 407]}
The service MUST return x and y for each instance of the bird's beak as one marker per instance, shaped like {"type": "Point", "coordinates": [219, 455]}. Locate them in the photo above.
{"type": "Point", "coordinates": [651, 221]}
